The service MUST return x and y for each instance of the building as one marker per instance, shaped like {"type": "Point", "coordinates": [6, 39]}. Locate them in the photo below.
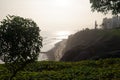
{"type": "Point", "coordinates": [109, 23]}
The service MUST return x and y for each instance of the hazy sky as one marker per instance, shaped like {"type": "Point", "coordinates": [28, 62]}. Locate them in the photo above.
{"type": "Point", "coordinates": [53, 15]}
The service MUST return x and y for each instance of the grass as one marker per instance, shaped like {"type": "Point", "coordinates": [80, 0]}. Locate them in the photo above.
{"type": "Point", "coordinates": [104, 69]}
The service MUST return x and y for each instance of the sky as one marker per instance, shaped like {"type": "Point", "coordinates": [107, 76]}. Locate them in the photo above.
{"type": "Point", "coordinates": [53, 15]}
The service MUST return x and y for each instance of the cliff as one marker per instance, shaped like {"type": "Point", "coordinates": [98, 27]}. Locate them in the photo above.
{"type": "Point", "coordinates": [56, 54]}
{"type": "Point", "coordinates": [92, 44]}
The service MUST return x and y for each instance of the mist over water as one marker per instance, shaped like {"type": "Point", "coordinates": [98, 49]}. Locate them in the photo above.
{"type": "Point", "coordinates": [50, 39]}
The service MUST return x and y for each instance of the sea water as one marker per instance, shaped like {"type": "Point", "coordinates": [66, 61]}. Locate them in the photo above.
{"type": "Point", "coordinates": [50, 39]}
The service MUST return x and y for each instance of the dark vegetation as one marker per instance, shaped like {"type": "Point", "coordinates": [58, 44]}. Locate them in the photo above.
{"type": "Point", "coordinates": [104, 69]}
{"type": "Point", "coordinates": [93, 44]}
{"type": "Point", "coordinates": [105, 6]}
{"type": "Point", "coordinates": [20, 43]}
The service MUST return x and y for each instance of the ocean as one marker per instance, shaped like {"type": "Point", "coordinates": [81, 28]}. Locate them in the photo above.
{"type": "Point", "coordinates": [50, 39]}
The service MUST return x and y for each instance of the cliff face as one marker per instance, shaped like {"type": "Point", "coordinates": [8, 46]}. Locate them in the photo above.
{"type": "Point", "coordinates": [92, 44]}
{"type": "Point", "coordinates": [87, 44]}
{"type": "Point", "coordinates": [59, 49]}
{"type": "Point", "coordinates": [56, 54]}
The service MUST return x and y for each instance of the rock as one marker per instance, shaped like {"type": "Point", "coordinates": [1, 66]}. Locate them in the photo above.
{"type": "Point", "coordinates": [56, 54]}
{"type": "Point", "coordinates": [92, 44]}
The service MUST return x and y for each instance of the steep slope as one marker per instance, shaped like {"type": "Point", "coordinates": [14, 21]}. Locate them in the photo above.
{"type": "Point", "coordinates": [92, 44]}
{"type": "Point", "coordinates": [55, 54]}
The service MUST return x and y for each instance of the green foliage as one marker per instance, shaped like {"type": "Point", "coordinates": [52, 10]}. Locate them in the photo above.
{"type": "Point", "coordinates": [20, 42]}
{"type": "Point", "coordinates": [104, 69]}
{"type": "Point", "coordinates": [93, 44]}
{"type": "Point", "coordinates": [106, 5]}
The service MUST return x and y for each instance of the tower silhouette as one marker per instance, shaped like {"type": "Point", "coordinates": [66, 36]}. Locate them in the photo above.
{"type": "Point", "coordinates": [96, 25]}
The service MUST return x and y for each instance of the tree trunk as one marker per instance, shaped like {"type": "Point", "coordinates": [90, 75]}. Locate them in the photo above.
{"type": "Point", "coordinates": [13, 75]}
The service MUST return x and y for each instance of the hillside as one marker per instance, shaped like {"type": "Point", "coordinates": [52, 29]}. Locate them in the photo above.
{"type": "Point", "coordinates": [55, 54]}
{"type": "Point", "coordinates": [104, 69]}
{"type": "Point", "coordinates": [92, 44]}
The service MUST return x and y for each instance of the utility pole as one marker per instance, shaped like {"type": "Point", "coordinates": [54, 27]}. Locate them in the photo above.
{"type": "Point", "coordinates": [96, 25]}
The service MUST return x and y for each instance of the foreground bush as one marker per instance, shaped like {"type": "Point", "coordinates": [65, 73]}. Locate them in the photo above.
{"type": "Point", "coordinates": [105, 69]}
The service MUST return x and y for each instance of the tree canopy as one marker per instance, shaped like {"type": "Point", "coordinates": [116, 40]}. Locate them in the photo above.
{"type": "Point", "coordinates": [20, 42]}
{"type": "Point", "coordinates": [105, 6]}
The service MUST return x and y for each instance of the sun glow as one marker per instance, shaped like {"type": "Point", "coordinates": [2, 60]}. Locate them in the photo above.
{"type": "Point", "coordinates": [63, 33]}
{"type": "Point", "coordinates": [62, 3]}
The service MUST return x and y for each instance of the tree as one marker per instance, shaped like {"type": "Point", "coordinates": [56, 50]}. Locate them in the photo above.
{"type": "Point", "coordinates": [105, 6]}
{"type": "Point", "coordinates": [20, 43]}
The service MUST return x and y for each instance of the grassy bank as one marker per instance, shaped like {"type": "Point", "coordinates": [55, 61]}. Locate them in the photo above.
{"type": "Point", "coordinates": [104, 69]}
